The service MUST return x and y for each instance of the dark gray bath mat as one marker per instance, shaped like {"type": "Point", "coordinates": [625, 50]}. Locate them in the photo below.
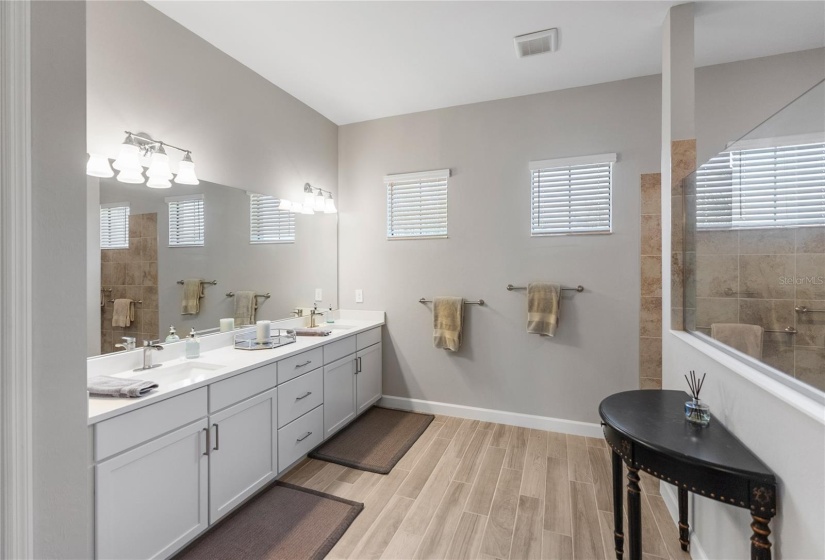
{"type": "Point", "coordinates": [283, 523]}
{"type": "Point", "coordinates": [376, 441]}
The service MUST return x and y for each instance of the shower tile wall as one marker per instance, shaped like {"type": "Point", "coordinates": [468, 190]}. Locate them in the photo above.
{"type": "Point", "coordinates": [759, 277]}
{"type": "Point", "coordinates": [132, 273]}
{"type": "Point", "coordinates": [650, 314]}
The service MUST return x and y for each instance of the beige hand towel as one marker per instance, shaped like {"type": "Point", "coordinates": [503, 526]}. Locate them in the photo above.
{"type": "Point", "coordinates": [745, 338]}
{"type": "Point", "coordinates": [192, 294]}
{"type": "Point", "coordinates": [448, 316]}
{"type": "Point", "coordinates": [543, 308]}
{"type": "Point", "coordinates": [123, 313]}
{"type": "Point", "coordinates": [245, 305]}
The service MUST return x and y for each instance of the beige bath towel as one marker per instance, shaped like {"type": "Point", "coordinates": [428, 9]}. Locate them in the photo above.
{"type": "Point", "coordinates": [123, 313]}
{"type": "Point", "coordinates": [543, 308]}
{"type": "Point", "coordinates": [448, 318]}
{"type": "Point", "coordinates": [245, 305]}
{"type": "Point", "coordinates": [745, 338]}
{"type": "Point", "coordinates": [192, 294]}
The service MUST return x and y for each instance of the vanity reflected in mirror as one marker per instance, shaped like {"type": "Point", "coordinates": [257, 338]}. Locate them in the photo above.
{"type": "Point", "coordinates": [755, 245]}
{"type": "Point", "coordinates": [152, 240]}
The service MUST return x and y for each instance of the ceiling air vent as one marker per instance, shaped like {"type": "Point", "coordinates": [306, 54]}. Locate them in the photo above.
{"type": "Point", "coordinates": [536, 43]}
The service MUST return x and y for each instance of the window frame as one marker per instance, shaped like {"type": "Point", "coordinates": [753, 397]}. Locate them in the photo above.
{"type": "Point", "coordinates": [290, 218]}
{"type": "Point", "coordinates": [109, 206]}
{"type": "Point", "coordinates": [570, 162]}
{"type": "Point", "coordinates": [420, 177]}
{"type": "Point", "coordinates": [186, 198]}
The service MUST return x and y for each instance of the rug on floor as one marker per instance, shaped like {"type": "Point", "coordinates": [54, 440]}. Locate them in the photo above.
{"type": "Point", "coordinates": [376, 441]}
{"type": "Point", "coordinates": [284, 522]}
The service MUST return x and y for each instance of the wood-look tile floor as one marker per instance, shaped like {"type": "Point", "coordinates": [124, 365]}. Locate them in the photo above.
{"type": "Point", "coordinates": [471, 489]}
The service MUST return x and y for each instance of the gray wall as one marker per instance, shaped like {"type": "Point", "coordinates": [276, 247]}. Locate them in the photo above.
{"type": "Point", "coordinates": [59, 411]}
{"type": "Point", "coordinates": [289, 271]}
{"type": "Point", "coordinates": [488, 147]}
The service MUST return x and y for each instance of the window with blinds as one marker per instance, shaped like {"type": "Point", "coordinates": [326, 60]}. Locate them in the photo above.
{"type": "Point", "coordinates": [186, 223]}
{"type": "Point", "coordinates": [572, 195]}
{"type": "Point", "coordinates": [268, 224]}
{"type": "Point", "coordinates": [417, 204]}
{"type": "Point", "coordinates": [762, 188]}
{"type": "Point", "coordinates": [114, 226]}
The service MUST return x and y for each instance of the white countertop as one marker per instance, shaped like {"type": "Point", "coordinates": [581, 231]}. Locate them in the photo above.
{"type": "Point", "coordinates": [218, 353]}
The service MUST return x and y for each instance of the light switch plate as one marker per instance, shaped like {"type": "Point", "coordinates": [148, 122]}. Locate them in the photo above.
{"type": "Point", "coordinates": [318, 294]}
{"type": "Point", "coordinates": [359, 296]}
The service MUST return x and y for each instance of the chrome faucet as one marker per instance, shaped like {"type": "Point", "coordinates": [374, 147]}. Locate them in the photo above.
{"type": "Point", "coordinates": [148, 347]}
{"type": "Point", "coordinates": [312, 314]}
{"type": "Point", "coordinates": [127, 344]}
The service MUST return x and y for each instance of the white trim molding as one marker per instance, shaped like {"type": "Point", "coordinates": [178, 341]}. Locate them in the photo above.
{"type": "Point", "coordinates": [417, 176]}
{"type": "Point", "coordinates": [571, 161]}
{"type": "Point", "coordinates": [16, 485]}
{"type": "Point", "coordinates": [560, 425]}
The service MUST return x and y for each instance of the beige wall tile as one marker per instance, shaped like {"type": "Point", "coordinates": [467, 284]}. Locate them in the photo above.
{"type": "Point", "coordinates": [767, 275]}
{"type": "Point", "coordinates": [779, 241]}
{"type": "Point", "coordinates": [650, 357]}
{"type": "Point", "coordinates": [683, 162]}
{"type": "Point", "coordinates": [651, 234]}
{"type": "Point", "coordinates": [770, 314]}
{"type": "Point", "coordinates": [715, 274]}
{"type": "Point", "coordinates": [810, 326]}
{"type": "Point", "coordinates": [717, 242]}
{"type": "Point", "coordinates": [810, 240]}
{"type": "Point", "coordinates": [716, 310]}
{"type": "Point", "coordinates": [135, 225]}
{"type": "Point", "coordinates": [651, 193]}
{"type": "Point", "coordinates": [810, 366]}
{"type": "Point", "coordinates": [650, 319]}
{"type": "Point", "coordinates": [677, 233]}
{"type": "Point", "coordinates": [810, 276]}
{"type": "Point", "coordinates": [651, 276]}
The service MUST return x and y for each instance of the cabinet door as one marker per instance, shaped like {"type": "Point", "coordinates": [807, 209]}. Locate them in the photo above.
{"type": "Point", "coordinates": [244, 451]}
{"type": "Point", "coordinates": [151, 501]}
{"type": "Point", "coordinates": [339, 394]}
{"type": "Point", "coordinates": [368, 384]}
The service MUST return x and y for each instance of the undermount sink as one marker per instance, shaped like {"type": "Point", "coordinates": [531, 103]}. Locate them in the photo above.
{"type": "Point", "coordinates": [189, 371]}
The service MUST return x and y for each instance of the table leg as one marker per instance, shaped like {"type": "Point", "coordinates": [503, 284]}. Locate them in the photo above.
{"type": "Point", "coordinates": [634, 514]}
{"type": "Point", "coordinates": [760, 545]}
{"type": "Point", "coordinates": [618, 487]}
{"type": "Point", "coordinates": [684, 534]}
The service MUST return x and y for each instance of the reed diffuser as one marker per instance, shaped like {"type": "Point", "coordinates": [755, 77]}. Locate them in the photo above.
{"type": "Point", "coordinates": [696, 412]}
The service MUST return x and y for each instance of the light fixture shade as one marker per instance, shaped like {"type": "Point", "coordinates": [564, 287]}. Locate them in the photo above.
{"type": "Point", "coordinates": [98, 166]}
{"type": "Point", "coordinates": [309, 199]}
{"type": "Point", "coordinates": [186, 171]}
{"type": "Point", "coordinates": [285, 205]}
{"type": "Point", "coordinates": [128, 159]}
{"type": "Point", "coordinates": [159, 168]}
{"type": "Point", "coordinates": [307, 209]}
{"type": "Point", "coordinates": [329, 206]}
{"type": "Point", "coordinates": [318, 205]}
{"type": "Point", "coordinates": [296, 207]}
{"type": "Point", "coordinates": [131, 176]}
{"type": "Point", "coordinates": [158, 183]}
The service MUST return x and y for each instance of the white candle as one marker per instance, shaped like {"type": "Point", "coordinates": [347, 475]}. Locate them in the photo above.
{"type": "Point", "coordinates": [263, 331]}
{"type": "Point", "coordinates": [227, 324]}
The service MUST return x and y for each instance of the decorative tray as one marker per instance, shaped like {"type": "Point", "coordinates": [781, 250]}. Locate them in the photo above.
{"type": "Point", "coordinates": [248, 341]}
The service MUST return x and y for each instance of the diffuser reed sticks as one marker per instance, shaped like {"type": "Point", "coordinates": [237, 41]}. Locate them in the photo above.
{"type": "Point", "coordinates": [696, 412]}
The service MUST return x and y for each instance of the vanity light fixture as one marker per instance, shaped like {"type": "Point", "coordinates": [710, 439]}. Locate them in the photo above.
{"type": "Point", "coordinates": [315, 200]}
{"type": "Point", "coordinates": [319, 202]}
{"type": "Point", "coordinates": [309, 196]}
{"type": "Point", "coordinates": [98, 166]}
{"type": "Point", "coordinates": [131, 170]}
{"type": "Point", "coordinates": [329, 205]}
{"type": "Point", "coordinates": [285, 204]}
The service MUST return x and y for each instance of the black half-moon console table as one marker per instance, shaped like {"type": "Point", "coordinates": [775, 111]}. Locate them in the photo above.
{"type": "Point", "coordinates": [648, 431]}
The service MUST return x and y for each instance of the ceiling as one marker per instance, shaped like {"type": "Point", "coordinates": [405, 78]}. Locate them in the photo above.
{"type": "Point", "coordinates": [356, 61]}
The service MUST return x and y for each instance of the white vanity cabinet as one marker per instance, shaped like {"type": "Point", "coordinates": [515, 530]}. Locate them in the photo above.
{"type": "Point", "coordinates": [339, 394]}
{"type": "Point", "coordinates": [368, 384]}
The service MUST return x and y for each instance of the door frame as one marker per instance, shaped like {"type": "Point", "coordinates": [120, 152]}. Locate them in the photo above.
{"type": "Point", "coordinates": [16, 465]}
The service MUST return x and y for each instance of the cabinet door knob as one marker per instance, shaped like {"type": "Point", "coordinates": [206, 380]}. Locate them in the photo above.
{"type": "Point", "coordinates": [305, 436]}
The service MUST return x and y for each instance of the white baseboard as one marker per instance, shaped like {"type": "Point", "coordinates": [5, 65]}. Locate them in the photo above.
{"type": "Point", "coordinates": [669, 496]}
{"type": "Point", "coordinates": [560, 425]}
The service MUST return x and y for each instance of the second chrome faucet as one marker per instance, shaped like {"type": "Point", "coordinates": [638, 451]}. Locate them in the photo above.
{"type": "Point", "coordinates": [148, 347]}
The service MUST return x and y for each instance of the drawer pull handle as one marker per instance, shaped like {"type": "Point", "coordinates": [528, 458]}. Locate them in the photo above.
{"type": "Point", "coordinates": [217, 437]}
{"type": "Point", "coordinates": [208, 431]}
{"type": "Point", "coordinates": [306, 363]}
{"type": "Point", "coordinates": [306, 436]}
{"type": "Point", "coordinates": [308, 393]}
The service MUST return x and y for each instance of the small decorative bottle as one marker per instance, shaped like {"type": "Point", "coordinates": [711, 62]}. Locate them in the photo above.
{"type": "Point", "coordinates": [193, 346]}
{"type": "Point", "coordinates": [173, 337]}
{"type": "Point", "coordinates": [697, 412]}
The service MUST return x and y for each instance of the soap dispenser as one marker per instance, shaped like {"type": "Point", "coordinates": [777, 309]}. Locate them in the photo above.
{"type": "Point", "coordinates": [173, 336]}
{"type": "Point", "coordinates": [330, 317]}
{"type": "Point", "coordinates": [193, 346]}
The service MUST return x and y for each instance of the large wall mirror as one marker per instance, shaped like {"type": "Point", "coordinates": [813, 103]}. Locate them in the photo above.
{"type": "Point", "coordinates": [151, 240]}
{"type": "Point", "coordinates": [755, 245]}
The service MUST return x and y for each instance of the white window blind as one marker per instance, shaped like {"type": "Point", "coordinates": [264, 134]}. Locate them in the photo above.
{"type": "Point", "coordinates": [762, 188]}
{"type": "Point", "coordinates": [417, 204]}
{"type": "Point", "coordinates": [268, 224]}
{"type": "Point", "coordinates": [186, 223]}
{"type": "Point", "coordinates": [572, 195]}
{"type": "Point", "coordinates": [114, 226]}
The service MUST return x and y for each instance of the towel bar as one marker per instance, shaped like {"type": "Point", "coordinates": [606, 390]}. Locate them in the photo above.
{"type": "Point", "coordinates": [578, 288]}
{"type": "Point", "coordinates": [479, 302]}
{"type": "Point", "coordinates": [213, 282]}
{"type": "Point", "coordinates": [133, 301]}
{"type": "Point", "coordinates": [802, 309]}
{"type": "Point", "coordinates": [265, 296]}
{"type": "Point", "coordinates": [786, 330]}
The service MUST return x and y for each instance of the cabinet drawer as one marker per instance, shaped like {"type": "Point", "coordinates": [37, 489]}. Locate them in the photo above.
{"type": "Point", "coordinates": [299, 438]}
{"type": "Point", "coordinates": [235, 389]}
{"type": "Point", "coordinates": [338, 349]}
{"type": "Point", "coordinates": [299, 396]}
{"type": "Point", "coordinates": [130, 429]}
{"type": "Point", "coordinates": [368, 338]}
{"type": "Point", "coordinates": [296, 365]}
